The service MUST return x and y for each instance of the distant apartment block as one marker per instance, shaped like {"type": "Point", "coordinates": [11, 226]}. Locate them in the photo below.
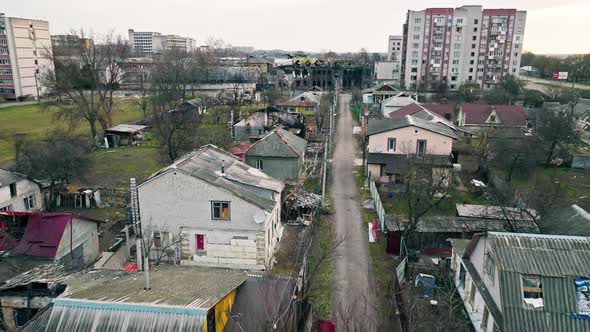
{"type": "Point", "coordinates": [468, 44]}
{"type": "Point", "coordinates": [70, 41]}
{"type": "Point", "coordinates": [25, 50]}
{"type": "Point", "coordinates": [147, 43]}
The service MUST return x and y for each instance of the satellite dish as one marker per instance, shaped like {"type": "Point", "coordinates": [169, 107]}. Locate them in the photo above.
{"type": "Point", "coordinates": [259, 217]}
{"type": "Point", "coordinates": [379, 148]}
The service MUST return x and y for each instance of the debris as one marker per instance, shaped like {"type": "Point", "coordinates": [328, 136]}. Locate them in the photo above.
{"type": "Point", "coordinates": [478, 184]}
{"type": "Point", "coordinates": [369, 204]}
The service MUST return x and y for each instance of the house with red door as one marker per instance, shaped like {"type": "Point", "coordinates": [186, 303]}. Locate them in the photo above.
{"type": "Point", "coordinates": [482, 116]}
{"type": "Point", "coordinates": [210, 209]}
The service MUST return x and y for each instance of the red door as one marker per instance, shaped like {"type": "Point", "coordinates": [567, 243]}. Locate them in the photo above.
{"type": "Point", "coordinates": [200, 242]}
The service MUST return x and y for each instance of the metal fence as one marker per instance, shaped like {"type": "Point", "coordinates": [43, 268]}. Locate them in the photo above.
{"type": "Point", "coordinates": [377, 200]}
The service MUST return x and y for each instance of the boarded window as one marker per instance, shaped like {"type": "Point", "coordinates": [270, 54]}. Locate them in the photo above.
{"type": "Point", "coordinates": [220, 211]}
{"type": "Point", "coordinates": [532, 290]}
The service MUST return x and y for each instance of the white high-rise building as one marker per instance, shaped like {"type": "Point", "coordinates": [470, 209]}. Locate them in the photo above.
{"type": "Point", "coordinates": [468, 44]}
{"type": "Point", "coordinates": [147, 43]}
{"type": "Point", "coordinates": [25, 55]}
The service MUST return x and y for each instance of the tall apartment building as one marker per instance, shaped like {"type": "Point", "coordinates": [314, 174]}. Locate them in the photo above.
{"type": "Point", "coordinates": [468, 44]}
{"type": "Point", "coordinates": [25, 55]}
{"type": "Point", "coordinates": [147, 43]}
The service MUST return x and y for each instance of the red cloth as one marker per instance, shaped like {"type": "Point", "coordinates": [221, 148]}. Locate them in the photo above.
{"type": "Point", "coordinates": [43, 234]}
{"type": "Point", "coordinates": [18, 214]}
{"type": "Point", "coordinates": [130, 267]}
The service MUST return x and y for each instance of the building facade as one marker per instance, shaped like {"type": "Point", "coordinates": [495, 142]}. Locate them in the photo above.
{"type": "Point", "coordinates": [150, 42]}
{"type": "Point", "coordinates": [17, 193]}
{"type": "Point", "coordinates": [468, 44]}
{"type": "Point", "coordinates": [210, 209]}
{"type": "Point", "coordinates": [25, 55]}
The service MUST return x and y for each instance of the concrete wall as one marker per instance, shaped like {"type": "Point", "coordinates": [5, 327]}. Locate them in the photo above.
{"type": "Point", "coordinates": [24, 188]}
{"type": "Point", "coordinates": [278, 168]}
{"type": "Point", "coordinates": [176, 202]}
{"type": "Point", "coordinates": [81, 237]}
{"type": "Point", "coordinates": [407, 139]}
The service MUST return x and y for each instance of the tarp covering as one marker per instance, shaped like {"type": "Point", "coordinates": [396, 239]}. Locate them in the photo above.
{"type": "Point", "coordinates": [43, 234]}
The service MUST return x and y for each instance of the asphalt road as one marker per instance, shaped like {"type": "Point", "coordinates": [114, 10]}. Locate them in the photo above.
{"type": "Point", "coordinates": [354, 301]}
{"type": "Point", "coordinates": [541, 84]}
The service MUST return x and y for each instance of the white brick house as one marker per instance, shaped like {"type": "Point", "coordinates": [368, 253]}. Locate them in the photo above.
{"type": "Point", "coordinates": [224, 212]}
{"type": "Point", "coordinates": [17, 193]}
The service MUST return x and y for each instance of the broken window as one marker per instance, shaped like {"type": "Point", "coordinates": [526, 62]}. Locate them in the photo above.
{"type": "Point", "coordinates": [220, 210]}
{"type": "Point", "coordinates": [462, 274]}
{"type": "Point", "coordinates": [532, 290]}
{"type": "Point", "coordinates": [492, 118]}
{"type": "Point", "coordinates": [490, 265]}
{"type": "Point", "coordinates": [12, 189]}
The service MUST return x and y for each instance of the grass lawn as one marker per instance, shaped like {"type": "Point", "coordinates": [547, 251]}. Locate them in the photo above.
{"type": "Point", "coordinates": [112, 168]}
{"type": "Point", "coordinates": [321, 286]}
{"type": "Point", "coordinates": [35, 122]}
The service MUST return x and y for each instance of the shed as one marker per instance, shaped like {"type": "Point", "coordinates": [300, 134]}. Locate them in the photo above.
{"type": "Point", "coordinates": [123, 135]}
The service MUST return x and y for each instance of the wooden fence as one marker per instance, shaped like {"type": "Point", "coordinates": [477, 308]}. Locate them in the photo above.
{"type": "Point", "coordinates": [377, 200]}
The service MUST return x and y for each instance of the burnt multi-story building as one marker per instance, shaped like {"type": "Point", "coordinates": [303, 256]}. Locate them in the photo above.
{"type": "Point", "coordinates": [25, 55]}
{"type": "Point", "coordinates": [468, 44]}
{"type": "Point", "coordinates": [311, 72]}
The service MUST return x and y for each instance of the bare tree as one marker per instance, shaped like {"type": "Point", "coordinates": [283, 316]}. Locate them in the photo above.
{"type": "Point", "coordinates": [81, 84]}
{"type": "Point", "coordinates": [159, 243]}
{"type": "Point", "coordinates": [323, 113]}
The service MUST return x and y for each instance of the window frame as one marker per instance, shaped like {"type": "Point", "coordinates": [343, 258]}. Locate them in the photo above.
{"type": "Point", "coordinates": [259, 164]}
{"type": "Point", "coordinates": [490, 265]}
{"type": "Point", "coordinates": [389, 141]}
{"type": "Point", "coordinates": [221, 203]}
{"type": "Point", "coordinates": [13, 192]}
{"type": "Point", "coordinates": [418, 141]}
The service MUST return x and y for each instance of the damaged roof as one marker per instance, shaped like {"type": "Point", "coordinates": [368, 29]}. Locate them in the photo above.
{"type": "Point", "coordinates": [379, 126]}
{"type": "Point", "coordinates": [126, 128]}
{"type": "Point", "coordinates": [278, 143]}
{"type": "Point", "coordinates": [238, 178]}
{"type": "Point", "coordinates": [8, 177]}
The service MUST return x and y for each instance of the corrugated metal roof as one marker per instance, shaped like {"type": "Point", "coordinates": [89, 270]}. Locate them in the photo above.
{"type": "Point", "coordinates": [558, 260]}
{"type": "Point", "coordinates": [65, 318]}
{"type": "Point", "coordinates": [439, 224]}
{"type": "Point", "coordinates": [238, 178]}
{"type": "Point", "coordinates": [494, 212]}
{"type": "Point", "coordinates": [382, 125]}
{"type": "Point", "coordinates": [547, 255]}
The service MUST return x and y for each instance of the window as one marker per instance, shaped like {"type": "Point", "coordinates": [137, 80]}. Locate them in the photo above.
{"type": "Point", "coordinates": [459, 21]}
{"type": "Point", "coordinates": [220, 211]}
{"type": "Point", "coordinates": [421, 147]}
{"type": "Point", "coordinates": [472, 53]}
{"type": "Point", "coordinates": [6, 208]}
{"type": "Point", "coordinates": [416, 45]}
{"type": "Point", "coordinates": [457, 46]}
{"type": "Point", "coordinates": [414, 70]}
{"type": "Point", "coordinates": [476, 21]}
{"type": "Point", "coordinates": [259, 164]}
{"type": "Point", "coordinates": [532, 290]}
{"type": "Point", "coordinates": [462, 274]}
{"type": "Point", "coordinates": [415, 54]}
{"type": "Point", "coordinates": [29, 202]}
{"type": "Point", "coordinates": [472, 293]}
{"type": "Point", "coordinates": [418, 20]}
{"type": "Point", "coordinates": [474, 29]}
{"type": "Point", "coordinates": [157, 240]}
{"type": "Point", "coordinates": [455, 62]}
{"type": "Point", "coordinates": [490, 261]}
{"type": "Point", "coordinates": [414, 62]}
{"type": "Point", "coordinates": [484, 318]}
{"type": "Point", "coordinates": [12, 189]}
{"type": "Point", "coordinates": [416, 36]}
{"type": "Point", "coordinates": [391, 142]}
{"type": "Point", "coordinates": [200, 242]}
{"type": "Point", "coordinates": [36, 62]}
{"type": "Point", "coordinates": [456, 54]}
{"type": "Point", "coordinates": [35, 53]}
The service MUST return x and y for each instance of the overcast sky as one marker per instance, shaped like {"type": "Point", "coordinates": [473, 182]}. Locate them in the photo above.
{"type": "Point", "coordinates": [553, 26]}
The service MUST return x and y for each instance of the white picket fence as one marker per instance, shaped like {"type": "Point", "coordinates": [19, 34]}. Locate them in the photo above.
{"type": "Point", "coordinates": [377, 200]}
